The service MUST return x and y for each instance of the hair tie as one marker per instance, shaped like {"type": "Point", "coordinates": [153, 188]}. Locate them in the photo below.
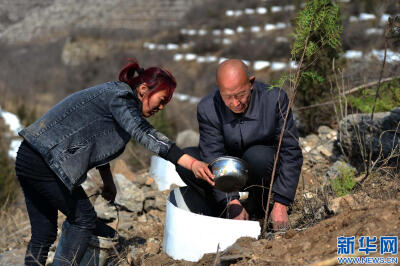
{"type": "Point", "coordinates": [140, 71]}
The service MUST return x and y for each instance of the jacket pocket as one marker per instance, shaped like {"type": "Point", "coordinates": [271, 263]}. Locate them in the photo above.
{"type": "Point", "coordinates": [75, 161]}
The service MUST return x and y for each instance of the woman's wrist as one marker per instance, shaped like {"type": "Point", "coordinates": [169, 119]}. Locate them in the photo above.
{"type": "Point", "coordinates": [191, 164]}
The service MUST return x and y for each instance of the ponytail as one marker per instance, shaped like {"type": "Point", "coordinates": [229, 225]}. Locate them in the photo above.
{"type": "Point", "coordinates": [156, 78]}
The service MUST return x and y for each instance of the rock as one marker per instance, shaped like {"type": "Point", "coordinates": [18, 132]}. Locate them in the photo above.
{"type": "Point", "coordinates": [312, 140]}
{"type": "Point", "coordinates": [152, 246]}
{"type": "Point", "coordinates": [50, 257]}
{"type": "Point", "coordinates": [336, 170]}
{"type": "Point", "coordinates": [315, 154]}
{"type": "Point", "coordinates": [13, 257]}
{"type": "Point", "coordinates": [337, 205]}
{"type": "Point", "coordinates": [309, 195]}
{"type": "Point", "coordinates": [120, 167]}
{"type": "Point", "coordinates": [149, 181]}
{"type": "Point", "coordinates": [326, 150]}
{"type": "Point", "coordinates": [142, 177]}
{"type": "Point", "coordinates": [355, 129]}
{"type": "Point", "coordinates": [93, 182]}
{"type": "Point", "coordinates": [128, 194]}
{"type": "Point", "coordinates": [132, 251]}
{"type": "Point", "coordinates": [324, 131]}
{"type": "Point", "coordinates": [154, 200]}
{"type": "Point", "coordinates": [142, 218]}
{"type": "Point", "coordinates": [104, 209]}
{"type": "Point", "coordinates": [187, 138]}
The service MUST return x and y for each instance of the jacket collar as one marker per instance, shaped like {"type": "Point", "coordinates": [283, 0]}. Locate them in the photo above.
{"type": "Point", "coordinates": [135, 95]}
{"type": "Point", "coordinates": [252, 112]}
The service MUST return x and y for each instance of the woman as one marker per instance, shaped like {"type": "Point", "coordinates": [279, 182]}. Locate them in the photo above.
{"type": "Point", "coordinates": [88, 129]}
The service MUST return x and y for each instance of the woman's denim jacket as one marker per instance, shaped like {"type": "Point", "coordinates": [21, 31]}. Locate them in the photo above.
{"type": "Point", "coordinates": [91, 127]}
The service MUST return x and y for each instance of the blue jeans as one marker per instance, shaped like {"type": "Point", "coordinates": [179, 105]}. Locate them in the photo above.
{"type": "Point", "coordinates": [43, 200]}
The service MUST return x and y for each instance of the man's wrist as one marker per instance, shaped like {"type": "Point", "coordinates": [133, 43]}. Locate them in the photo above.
{"type": "Point", "coordinates": [281, 199]}
{"type": "Point", "coordinates": [280, 205]}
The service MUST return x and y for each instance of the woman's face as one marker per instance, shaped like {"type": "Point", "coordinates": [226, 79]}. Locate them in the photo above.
{"type": "Point", "coordinates": [151, 105]}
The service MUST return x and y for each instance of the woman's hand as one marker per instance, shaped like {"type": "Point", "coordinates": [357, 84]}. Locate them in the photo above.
{"type": "Point", "coordinates": [109, 191]}
{"type": "Point", "coordinates": [201, 171]}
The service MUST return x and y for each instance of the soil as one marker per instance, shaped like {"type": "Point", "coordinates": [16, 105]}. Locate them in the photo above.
{"type": "Point", "coordinates": [318, 243]}
{"type": "Point", "coordinates": [374, 210]}
{"type": "Point", "coordinates": [316, 221]}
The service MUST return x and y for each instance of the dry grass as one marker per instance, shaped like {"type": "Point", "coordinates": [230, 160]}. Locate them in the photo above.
{"type": "Point", "coordinates": [14, 227]}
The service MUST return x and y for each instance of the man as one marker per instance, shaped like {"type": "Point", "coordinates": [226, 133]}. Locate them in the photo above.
{"type": "Point", "coordinates": [244, 118]}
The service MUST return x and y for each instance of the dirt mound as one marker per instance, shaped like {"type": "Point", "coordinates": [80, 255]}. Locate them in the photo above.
{"type": "Point", "coordinates": [377, 218]}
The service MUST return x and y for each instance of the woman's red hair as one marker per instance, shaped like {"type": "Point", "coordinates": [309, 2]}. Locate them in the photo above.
{"type": "Point", "coordinates": [156, 78]}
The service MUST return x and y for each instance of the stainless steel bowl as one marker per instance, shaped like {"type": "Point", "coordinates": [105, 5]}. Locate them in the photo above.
{"type": "Point", "coordinates": [230, 173]}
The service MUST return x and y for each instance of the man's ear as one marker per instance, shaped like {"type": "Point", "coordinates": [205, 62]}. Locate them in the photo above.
{"type": "Point", "coordinates": [142, 89]}
{"type": "Point", "coordinates": [252, 79]}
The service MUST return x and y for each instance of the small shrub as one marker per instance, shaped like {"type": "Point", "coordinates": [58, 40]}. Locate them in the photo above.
{"type": "Point", "coordinates": [344, 183]}
{"type": "Point", "coordinates": [389, 98]}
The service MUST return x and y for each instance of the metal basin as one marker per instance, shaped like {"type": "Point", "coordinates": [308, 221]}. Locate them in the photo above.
{"type": "Point", "coordinates": [230, 173]}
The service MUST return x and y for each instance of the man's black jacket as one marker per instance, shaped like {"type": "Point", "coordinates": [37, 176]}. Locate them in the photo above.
{"type": "Point", "coordinates": [223, 132]}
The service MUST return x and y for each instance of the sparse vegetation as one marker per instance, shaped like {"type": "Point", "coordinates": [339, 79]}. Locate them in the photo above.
{"type": "Point", "coordinates": [389, 98]}
{"type": "Point", "coordinates": [345, 182]}
{"type": "Point", "coordinates": [7, 174]}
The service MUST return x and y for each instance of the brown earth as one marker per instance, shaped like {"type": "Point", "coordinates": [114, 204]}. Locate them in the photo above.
{"type": "Point", "coordinates": [373, 210]}
{"type": "Point", "coordinates": [318, 243]}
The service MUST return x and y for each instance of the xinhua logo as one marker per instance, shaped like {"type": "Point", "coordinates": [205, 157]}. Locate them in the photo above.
{"type": "Point", "coordinates": [386, 245]}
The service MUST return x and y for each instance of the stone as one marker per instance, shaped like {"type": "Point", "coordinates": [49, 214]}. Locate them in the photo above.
{"type": "Point", "coordinates": [104, 209]}
{"type": "Point", "coordinates": [13, 257]}
{"type": "Point", "coordinates": [337, 205]}
{"type": "Point", "coordinates": [187, 138]}
{"type": "Point", "coordinates": [142, 218]}
{"type": "Point", "coordinates": [355, 129]}
{"type": "Point", "coordinates": [323, 132]}
{"type": "Point", "coordinates": [120, 167]}
{"type": "Point", "coordinates": [149, 181]}
{"type": "Point", "coordinates": [154, 200]}
{"type": "Point", "coordinates": [152, 246]}
{"type": "Point", "coordinates": [325, 151]}
{"type": "Point", "coordinates": [132, 252]}
{"type": "Point", "coordinates": [93, 182]}
{"type": "Point", "coordinates": [309, 195]}
{"type": "Point", "coordinates": [129, 195]}
{"type": "Point", "coordinates": [312, 140]}
{"type": "Point", "coordinates": [141, 178]}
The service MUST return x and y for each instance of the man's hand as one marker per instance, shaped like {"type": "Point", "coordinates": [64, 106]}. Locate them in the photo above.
{"type": "Point", "coordinates": [201, 171]}
{"type": "Point", "coordinates": [279, 216]}
{"type": "Point", "coordinates": [243, 215]}
{"type": "Point", "coordinates": [109, 191]}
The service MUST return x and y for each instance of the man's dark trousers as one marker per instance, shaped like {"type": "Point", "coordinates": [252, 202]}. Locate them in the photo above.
{"type": "Point", "coordinates": [260, 160]}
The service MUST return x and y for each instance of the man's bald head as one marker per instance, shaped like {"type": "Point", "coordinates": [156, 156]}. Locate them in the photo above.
{"type": "Point", "coordinates": [232, 70]}
{"type": "Point", "coordinates": [234, 84]}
